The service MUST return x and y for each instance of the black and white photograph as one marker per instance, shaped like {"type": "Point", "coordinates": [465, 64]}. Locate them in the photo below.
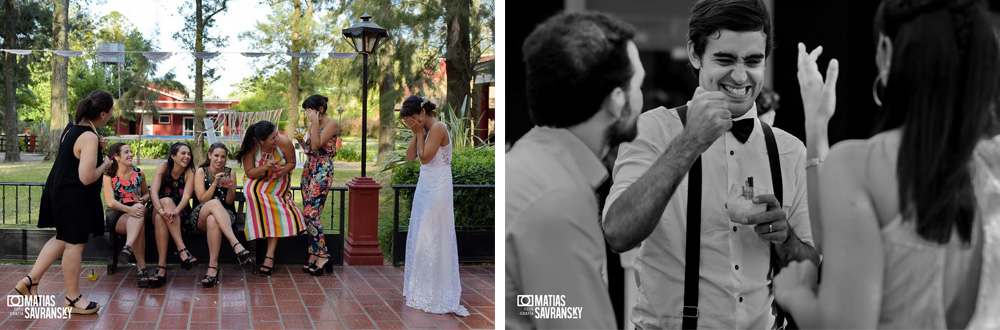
{"type": "Point", "coordinates": [752, 164]}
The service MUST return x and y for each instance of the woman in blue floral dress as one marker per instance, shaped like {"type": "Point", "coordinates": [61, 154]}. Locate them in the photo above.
{"type": "Point", "coordinates": [316, 177]}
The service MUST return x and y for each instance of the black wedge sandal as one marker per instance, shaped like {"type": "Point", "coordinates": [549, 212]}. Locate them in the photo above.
{"type": "Point", "coordinates": [126, 255]}
{"type": "Point", "coordinates": [212, 280]}
{"type": "Point", "coordinates": [243, 255]}
{"type": "Point", "coordinates": [316, 270]}
{"type": "Point", "coordinates": [22, 288]}
{"type": "Point", "coordinates": [189, 262]}
{"type": "Point", "coordinates": [267, 271]}
{"type": "Point", "coordinates": [158, 280]}
{"type": "Point", "coordinates": [143, 280]}
{"type": "Point", "coordinates": [91, 308]}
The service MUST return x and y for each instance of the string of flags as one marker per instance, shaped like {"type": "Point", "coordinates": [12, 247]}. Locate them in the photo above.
{"type": "Point", "coordinates": [159, 56]}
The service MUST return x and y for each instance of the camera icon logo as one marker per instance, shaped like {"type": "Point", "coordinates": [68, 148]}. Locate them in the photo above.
{"type": "Point", "coordinates": [524, 300]}
{"type": "Point", "coordinates": [15, 301]}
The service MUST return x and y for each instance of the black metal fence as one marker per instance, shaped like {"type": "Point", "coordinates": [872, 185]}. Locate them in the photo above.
{"type": "Point", "coordinates": [19, 202]}
{"type": "Point", "coordinates": [475, 243]}
{"type": "Point", "coordinates": [22, 138]}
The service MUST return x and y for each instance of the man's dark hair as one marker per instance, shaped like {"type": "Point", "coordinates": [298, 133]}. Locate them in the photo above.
{"type": "Point", "coordinates": [708, 17]}
{"type": "Point", "coordinates": [574, 61]}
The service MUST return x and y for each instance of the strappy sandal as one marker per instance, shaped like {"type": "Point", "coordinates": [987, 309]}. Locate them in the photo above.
{"type": "Point", "coordinates": [243, 256]}
{"type": "Point", "coordinates": [143, 279]}
{"type": "Point", "coordinates": [189, 262]}
{"type": "Point", "coordinates": [126, 255]}
{"type": "Point", "coordinates": [212, 280]}
{"type": "Point", "coordinates": [91, 308]}
{"type": "Point", "coordinates": [22, 288]}
{"type": "Point", "coordinates": [316, 270]}
{"type": "Point", "coordinates": [158, 280]}
{"type": "Point", "coordinates": [267, 271]}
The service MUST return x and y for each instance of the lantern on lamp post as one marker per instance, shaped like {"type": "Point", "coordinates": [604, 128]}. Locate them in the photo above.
{"type": "Point", "coordinates": [365, 37]}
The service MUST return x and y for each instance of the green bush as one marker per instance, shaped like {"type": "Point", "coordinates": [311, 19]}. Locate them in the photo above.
{"type": "Point", "coordinates": [473, 207]}
{"type": "Point", "coordinates": [352, 153]}
{"type": "Point", "coordinates": [148, 149]}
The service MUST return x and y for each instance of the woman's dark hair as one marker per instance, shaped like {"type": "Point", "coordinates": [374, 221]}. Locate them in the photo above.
{"type": "Point", "coordinates": [317, 102]}
{"type": "Point", "coordinates": [212, 148]}
{"type": "Point", "coordinates": [93, 105]}
{"type": "Point", "coordinates": [256, 132]}
{"type": "Point", "coordinates": [942, 90]}
{"type": "Point", "coordinates": [413, 104]}
{"type": "Point", "coordinates": [574, 60]}
{"type": "Point", "coordinates": [708, 17]}
{"type": "Point", "coordinates": [174, 149]}
{"type": "Point", "coordinates": [113, 151]}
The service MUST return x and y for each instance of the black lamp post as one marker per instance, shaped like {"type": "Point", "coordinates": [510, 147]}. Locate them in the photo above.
{"type": "Point", "coordinates": [340, 111]}
{"type": "Point", "coordinates": [365, 37]}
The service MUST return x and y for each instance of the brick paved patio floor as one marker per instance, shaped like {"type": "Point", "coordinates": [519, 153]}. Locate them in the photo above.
{"type": "Point", "coordinates": [355, 297]}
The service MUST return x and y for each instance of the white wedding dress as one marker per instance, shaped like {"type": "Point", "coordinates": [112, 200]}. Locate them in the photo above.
{"type": "Point", "coordinates": [430, 279]}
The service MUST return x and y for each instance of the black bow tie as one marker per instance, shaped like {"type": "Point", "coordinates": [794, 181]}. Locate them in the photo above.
{"type": "Point", "coordinates": [741, 129]}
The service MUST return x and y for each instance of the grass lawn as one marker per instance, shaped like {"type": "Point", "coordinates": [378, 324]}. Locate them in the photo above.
{"type": "Point", "coordinates": [15, 202]}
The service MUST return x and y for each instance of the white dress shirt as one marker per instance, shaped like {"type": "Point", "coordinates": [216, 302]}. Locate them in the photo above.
{"type": "Point", "coordinates": [554, 242]}
{"type": "Point", "coordinates": [733, 292]}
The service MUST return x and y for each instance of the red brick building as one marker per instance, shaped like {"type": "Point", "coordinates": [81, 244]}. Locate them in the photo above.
{"type": "Point", "coordinates": [175, 117]}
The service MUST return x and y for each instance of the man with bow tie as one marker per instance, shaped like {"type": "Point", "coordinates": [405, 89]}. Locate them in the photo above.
{"type": "Point", "coordinates": [697, 268]}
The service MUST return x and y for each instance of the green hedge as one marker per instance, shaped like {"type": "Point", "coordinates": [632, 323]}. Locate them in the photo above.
{"type": "Point", "coordinates": [158, 149]}
{"type": "Point", "coordinates": [352, 153]}
{"type": "Point", "coordinates": [473, 207]}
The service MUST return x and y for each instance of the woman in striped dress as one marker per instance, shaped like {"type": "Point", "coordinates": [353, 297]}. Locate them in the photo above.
{"type": "Point", "coordinates": [271, 212]}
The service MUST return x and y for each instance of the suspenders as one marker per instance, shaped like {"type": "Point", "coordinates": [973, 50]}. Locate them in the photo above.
{"type": "Point", "coordinates": [692, 256]}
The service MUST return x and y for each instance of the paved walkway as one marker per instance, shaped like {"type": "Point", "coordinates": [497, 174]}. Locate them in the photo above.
{"type": "Point", "coordinates": [355, 297]}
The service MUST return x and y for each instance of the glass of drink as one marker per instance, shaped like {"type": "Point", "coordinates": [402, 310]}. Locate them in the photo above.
{"type": "Point", "coordinates": [740, 202]}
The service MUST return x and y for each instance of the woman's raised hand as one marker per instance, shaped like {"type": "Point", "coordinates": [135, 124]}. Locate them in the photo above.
{"type": "Point", "coordinates": [819, 98]}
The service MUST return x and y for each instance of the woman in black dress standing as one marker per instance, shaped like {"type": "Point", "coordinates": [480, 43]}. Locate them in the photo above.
{"type": "Point", "coordinates": [71, 199]}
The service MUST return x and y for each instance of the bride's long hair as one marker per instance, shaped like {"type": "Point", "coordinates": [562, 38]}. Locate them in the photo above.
{"type": "Point", "coordinates": [942, 91]}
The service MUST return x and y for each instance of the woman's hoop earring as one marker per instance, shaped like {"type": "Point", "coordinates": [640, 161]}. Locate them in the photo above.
{"type": "Point", "coordinates": [875, 90]}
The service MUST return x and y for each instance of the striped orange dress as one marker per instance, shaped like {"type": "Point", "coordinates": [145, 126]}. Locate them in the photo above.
{"type": "Point", "coordinates": [271, 212]}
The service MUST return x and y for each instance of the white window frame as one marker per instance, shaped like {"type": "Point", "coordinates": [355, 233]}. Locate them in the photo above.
{"type": "Point", "coordinates": [164, 122]}
{"type": "Point", "coordinates": [184, 130]}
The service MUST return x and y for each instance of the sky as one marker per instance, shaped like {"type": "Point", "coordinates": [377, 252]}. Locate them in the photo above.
{"type": "Point", "coordinates": [240, 16]}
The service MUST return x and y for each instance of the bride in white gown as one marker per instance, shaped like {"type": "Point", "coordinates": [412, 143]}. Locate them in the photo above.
{"type": "Point", "coordinates": [431, 281]}
{"type": "Point", "coordinates": [909, 218]}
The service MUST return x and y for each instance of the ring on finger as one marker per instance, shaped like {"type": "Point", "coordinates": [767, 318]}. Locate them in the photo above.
{"type": "Point", "coordinates": [770, 228]}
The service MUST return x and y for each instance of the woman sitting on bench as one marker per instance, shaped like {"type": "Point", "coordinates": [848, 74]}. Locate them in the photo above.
{"type": "Point", "coordinates": [171, 190]}
{"type": "Point", "coordinates": [215, 189]}
{"type": "Point", "coordinates": [126, 192]}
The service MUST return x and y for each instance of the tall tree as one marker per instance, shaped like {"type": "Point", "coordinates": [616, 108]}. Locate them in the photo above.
{"type": "Point", "coordinates": [195, 37]}
{"type": "Point", "coordinates": [13, 153]}
{"type": "Point", "coordinates": [59, 112]}
{"type": "Point", "coordinates": [25, 26]}
{"type": "Point", "coordinates": [290, 28]}
{"type": "Point", "coordinates": [457, 60]}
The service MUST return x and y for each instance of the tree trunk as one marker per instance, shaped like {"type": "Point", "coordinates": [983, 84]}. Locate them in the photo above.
{"type": "Point", "coordinates": [293, 68]}
{"type": "Point", "coordinates": [386, 115]}
{"type": "Point", "coordinates": [198, 152]}
{"type": "Point", "coordinates": [13, 153]}
{"type": "Point", "coordinates": [59, 116]}
{"type": "Point", "coordinates": [457, 62]}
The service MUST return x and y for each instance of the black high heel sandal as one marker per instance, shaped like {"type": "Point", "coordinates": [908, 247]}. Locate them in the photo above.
{"type": "Point", "coordinates": [143, 279]}
{"type": "Point", "coordinates": [125, 256]}
{"type": "Point", "coordinates": [189, 262]}
{"type": "Point", "coordinates": [243, 256]}
{"type": "Point", "coordinates": [308, 266]}
{"type": "Point", "coordinates": [267, 272]}
{"type": "Point", "coordinates": [158, 280]}
{"type": "Point", "coordinates": [91, 308]}
{"type": "Point", "coordinates": [316, 270]}
{"type": "Point", "coordinates": [212, 280]}
{"type": "Point", "coordinates": [26, 287]}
